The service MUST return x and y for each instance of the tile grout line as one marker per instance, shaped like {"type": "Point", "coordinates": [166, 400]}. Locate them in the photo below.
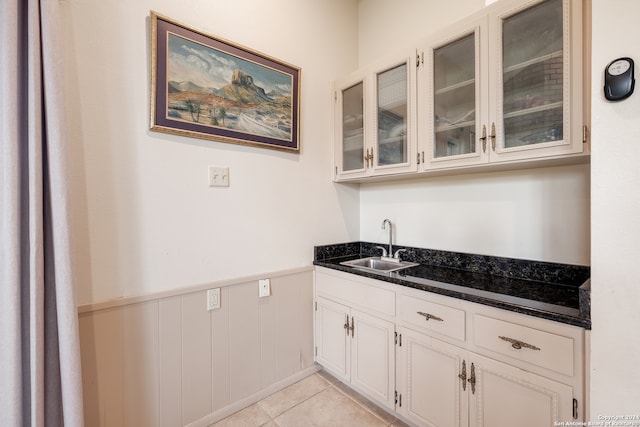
{"type": "Point", "coordinates": [331, 383]}
{"type": "Point", "coordinates": [302, 401]}
{"type": "Point", "coordinates": [364, 407]}
{"type": "Point", "coordinates": [336, 383]}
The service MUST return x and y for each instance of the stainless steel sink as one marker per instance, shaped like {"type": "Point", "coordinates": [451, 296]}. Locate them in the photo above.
{"type": "Point", "coordinates": [378, 264]}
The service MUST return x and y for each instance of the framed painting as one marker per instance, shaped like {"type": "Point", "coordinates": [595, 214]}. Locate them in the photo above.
{"type": "Point", "coordinates": [206, 87]}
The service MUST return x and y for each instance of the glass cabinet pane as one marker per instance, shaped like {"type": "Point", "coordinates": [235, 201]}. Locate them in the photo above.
{"type": "Point", "coordinates": [353, 128]}
{"type": "Point", "coordinates": [455, 98]}
{"type": "Point", "coordinates": [392, 116]}
{"type": "Point", "coordinates": [533, 75]}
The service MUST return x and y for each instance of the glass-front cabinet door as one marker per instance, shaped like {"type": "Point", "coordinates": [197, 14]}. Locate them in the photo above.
{"type": "Point", "coordinates": [451, 123]}
{"type": "Point", "coordinates": [504, 86]}
{"type": "Point", "coordinates": [350, 126]}
{"type": "Point", "coordinates": [353, 128]}
{"type": "Point", "coordinates": [454, 100]}
{"type": "Point", "coordinates": [375, 120]}
{"type": "Point", "coordinates": [536, 81]}
{"type": "Point", "coordinates": [393, 129]}
{"type": "Point", "coordinates": [532, 75]}
{"type": "Point", "coordinates": [392, 117]}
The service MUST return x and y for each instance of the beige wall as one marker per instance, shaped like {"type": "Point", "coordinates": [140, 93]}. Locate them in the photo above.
{"type": "Point", "coordinates": [385, 26]}
{"type": "Point", "coordinates": [615, 221]}
{"type": "Point", "coordinates": [538, 214]}
{"type": "Point", "coordinates": [165, 360]}
{"type": "Point", "coordinates": [145, 220]}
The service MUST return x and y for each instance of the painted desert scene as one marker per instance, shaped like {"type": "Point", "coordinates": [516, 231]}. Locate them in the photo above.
{"type": "Point", "coordinates": [216, 89]}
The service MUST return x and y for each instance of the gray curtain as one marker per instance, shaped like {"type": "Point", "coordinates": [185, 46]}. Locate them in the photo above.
{"type": "Point", "coordinates": [40, 373]}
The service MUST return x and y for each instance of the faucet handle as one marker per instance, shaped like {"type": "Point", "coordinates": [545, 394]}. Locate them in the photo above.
{"type": "Point", "coordinates": [396, 255]}
{"type": "Point", "coordinates": [384, 251]}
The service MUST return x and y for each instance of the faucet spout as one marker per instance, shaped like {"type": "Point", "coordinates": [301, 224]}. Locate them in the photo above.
{"type": "Point", "coordinates": [384, 226]}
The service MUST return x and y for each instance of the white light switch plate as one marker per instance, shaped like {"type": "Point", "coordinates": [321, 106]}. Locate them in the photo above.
{"type": "Point", "coordinates": [264, 286]}
{"type": "Point", "coordinates": [218, 176]}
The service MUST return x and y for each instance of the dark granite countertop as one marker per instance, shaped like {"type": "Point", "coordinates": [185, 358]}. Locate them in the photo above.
{"type": "Point", "coordinates": [558, 292]}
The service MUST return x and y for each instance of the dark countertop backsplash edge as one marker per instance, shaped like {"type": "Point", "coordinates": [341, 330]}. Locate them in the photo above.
{"type": "Point", "coordinates": [540, 272]}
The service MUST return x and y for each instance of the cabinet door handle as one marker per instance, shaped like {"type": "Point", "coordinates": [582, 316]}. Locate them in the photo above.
{"type": "Point", "coordinates": [352, 327]}
{"type": "Point", "coordinates": [463, 375]}
{"type": "Point", "coordinates": [472, 380]}
{"type": "Point", "coordinates": [368, 158]}
{"type": "Point", "coordinates": [428, 316]}
{"type": "Point", "coordinates": [493, 136]}
{"type": "Point", "coordinates": [517, 344]}
{"type": "Point", "coordinates": [483, 138]}
{"type": "Point", "coordinates": [346, 325]}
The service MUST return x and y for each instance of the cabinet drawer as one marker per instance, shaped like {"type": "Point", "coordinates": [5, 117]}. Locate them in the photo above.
{"type": "Point", "coordinates": [432, 317]}
{"type": "Point", "coordinates": [356, 294]}
{"type": "Point", "coordinates": [540, 348]}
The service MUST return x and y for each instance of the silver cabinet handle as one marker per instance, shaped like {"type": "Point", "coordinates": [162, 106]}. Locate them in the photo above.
{"type": "Point", "coordinates": [463, 375]}
{"type": "Point", "coordinates": [493, 136]}
{"type": "Point", "coordinates": [517, 344]}
{"type": "Point", "coordinates": [483, 138]}
{"type": "Point", "coordinates": [352, 328]}
{"type": "Point", "coordinates": [428, 316]}
{"type": "Point", "coordinates": [472, 379]}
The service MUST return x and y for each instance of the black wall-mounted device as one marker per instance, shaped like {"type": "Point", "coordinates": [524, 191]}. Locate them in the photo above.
{"type": "Point", "coordinates": [618, 79]}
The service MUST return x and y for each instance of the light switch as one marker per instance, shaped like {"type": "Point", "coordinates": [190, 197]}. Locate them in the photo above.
{"type": "Point", "coordinates": [264, 287]}
{"type": "Point", "coordinates": [218, 176]}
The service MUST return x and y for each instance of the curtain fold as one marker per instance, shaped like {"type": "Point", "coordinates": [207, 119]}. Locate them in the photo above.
{"type": "Point", "coordinates": [40, 371]}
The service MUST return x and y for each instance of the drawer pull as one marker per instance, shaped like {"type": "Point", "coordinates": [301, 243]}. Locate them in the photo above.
{"type": "Point", "coordinates": [428, 316]}
{"type": "Point", "coordinates": [517, 344]}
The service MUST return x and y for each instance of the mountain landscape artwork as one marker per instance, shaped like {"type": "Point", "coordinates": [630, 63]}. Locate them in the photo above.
{"type": "Point", "coordinates": [209, 88]}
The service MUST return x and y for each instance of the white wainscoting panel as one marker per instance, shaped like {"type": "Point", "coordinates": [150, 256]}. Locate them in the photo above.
{"type": "Point", "coordinates": [166, 361]}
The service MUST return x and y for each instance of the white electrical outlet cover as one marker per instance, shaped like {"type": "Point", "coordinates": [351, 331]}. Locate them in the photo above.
{"type": "Point", "coordinates": [213, 299]}
{"type": "Point", "coordinates": [264, 287]}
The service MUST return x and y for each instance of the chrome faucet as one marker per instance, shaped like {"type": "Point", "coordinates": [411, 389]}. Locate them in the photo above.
{"type": "Point", "coordinates": [389, 255]}
{"type": "Point", "coordinates": [384, 225]}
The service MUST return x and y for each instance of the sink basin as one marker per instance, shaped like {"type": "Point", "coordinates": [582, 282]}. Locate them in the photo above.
{"type": "Point", "coordinates": [378, 264]}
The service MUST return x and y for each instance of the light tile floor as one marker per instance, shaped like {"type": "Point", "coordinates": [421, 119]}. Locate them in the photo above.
{"type": "Point", "coordinates": [318, 400]}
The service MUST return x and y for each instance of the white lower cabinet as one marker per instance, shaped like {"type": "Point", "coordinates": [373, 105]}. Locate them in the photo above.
{"type": "Point", "coordinates": [333, 349]}
{"type": "Point", "coordinates": [358, 348]}
{"type": "Point", "coordinates": [431, 394]}
{"type": "Point", "coordinates": [444, 385]}
{"type": "Point", "coordinates": [442, 362]}
{"type": "Point", "coordinates": [505, 396]}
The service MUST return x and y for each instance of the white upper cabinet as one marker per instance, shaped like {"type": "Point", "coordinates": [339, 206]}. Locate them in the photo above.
{"type": "Point", "coordinates": [504, 86]}
{"type": "Point", "coordinates": [501, 87]}
{"type": "Point", "coordinates": [375, 130]}
{"type": "Point", "coordinates": [453, 97]}
{"type": "Point", "coordinates": [538, 80]}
